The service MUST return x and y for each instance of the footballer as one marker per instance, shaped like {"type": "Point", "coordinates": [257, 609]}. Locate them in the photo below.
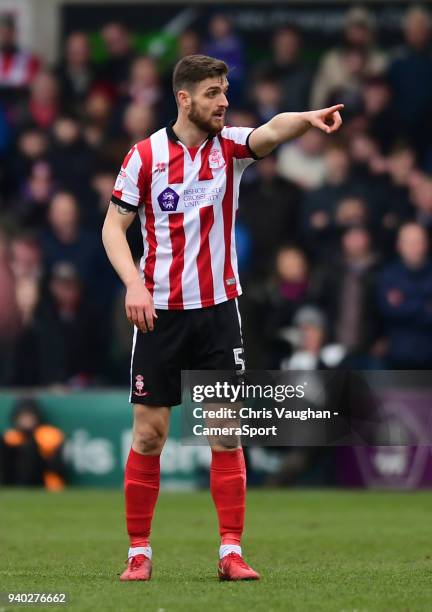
{"type": "Point", "coordinates": [183, 182]}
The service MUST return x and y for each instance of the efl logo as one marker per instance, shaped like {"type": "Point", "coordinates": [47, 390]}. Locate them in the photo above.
{"type": "Point", "coordinates": [168, 200]}
{"type": "Point", "coordinates": [120, 182]}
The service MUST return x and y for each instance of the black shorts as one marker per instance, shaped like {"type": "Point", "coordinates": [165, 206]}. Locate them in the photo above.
{"type": "Point", "coordinates": [199, 339]}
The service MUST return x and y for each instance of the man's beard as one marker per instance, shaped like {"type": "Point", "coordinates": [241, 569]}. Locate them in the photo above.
{"type": "Point", "coordinates": [205, 125]}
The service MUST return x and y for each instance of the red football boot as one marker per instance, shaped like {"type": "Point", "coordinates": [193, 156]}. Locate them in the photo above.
{"type": "Point", "coordinates": [139, 568]}
{"type": "Point", "coordinates": [233, 567]}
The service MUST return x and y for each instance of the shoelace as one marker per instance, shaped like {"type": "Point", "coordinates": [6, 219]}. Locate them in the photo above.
{"type": "Point", "coordinates": [135, 562]}
{"type": "Point", "coordinates": [235, 557]}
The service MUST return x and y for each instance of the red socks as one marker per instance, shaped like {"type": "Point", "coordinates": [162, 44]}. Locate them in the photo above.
{"type": "Point", "coordinates": [228, 489]}
{"type": "Point", "coordinates": [142, 478]}
{"type": "Point", "coordinates": [227, 484]}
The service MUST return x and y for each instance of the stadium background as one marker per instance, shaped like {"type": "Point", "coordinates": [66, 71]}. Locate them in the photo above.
{"type": "Point", "coordinates": [317, 228]}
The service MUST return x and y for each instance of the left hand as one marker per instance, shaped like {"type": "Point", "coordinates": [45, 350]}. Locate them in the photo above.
{"type": "Point", "coordinates": [327, 119]}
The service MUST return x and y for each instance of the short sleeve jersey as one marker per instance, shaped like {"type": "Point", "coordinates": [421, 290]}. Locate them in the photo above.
{"type": "Point", "coordinates": [187, 208]}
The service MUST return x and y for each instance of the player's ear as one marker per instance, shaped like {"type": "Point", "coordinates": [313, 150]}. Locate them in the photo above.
{"type": "Point", "coordinates": [183, 99]}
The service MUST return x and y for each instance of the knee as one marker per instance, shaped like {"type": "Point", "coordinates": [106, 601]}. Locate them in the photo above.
{"type": "Point", "coordinates": [148, 440]}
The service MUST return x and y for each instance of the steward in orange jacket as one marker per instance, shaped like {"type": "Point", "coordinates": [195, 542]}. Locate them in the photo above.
{"type": "Point", "coordinates": [31, 452]}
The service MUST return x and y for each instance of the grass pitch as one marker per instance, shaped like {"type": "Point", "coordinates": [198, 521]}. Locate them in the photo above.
{"type": "Point", "coordinates": [316, 550]}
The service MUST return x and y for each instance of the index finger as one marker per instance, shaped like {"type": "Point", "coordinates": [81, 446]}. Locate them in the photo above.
{"type": "Point", "coordinates": [336, 107]}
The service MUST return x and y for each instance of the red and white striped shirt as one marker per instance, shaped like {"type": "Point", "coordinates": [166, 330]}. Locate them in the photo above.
{"type": "Point", "coordinates": [187, 209]}
{"type": "Point", "coordinates": [17, 68]}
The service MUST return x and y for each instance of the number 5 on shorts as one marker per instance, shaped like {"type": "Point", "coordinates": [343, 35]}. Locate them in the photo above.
{"type": "Point", "coordinates": [239, 360]}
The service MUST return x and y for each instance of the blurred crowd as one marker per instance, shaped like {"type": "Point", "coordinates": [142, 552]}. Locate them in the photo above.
{"type": "Point", "coordinates": [333, 233]}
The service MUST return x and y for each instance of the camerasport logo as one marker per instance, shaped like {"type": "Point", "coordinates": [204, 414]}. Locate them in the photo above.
{"type": "Point", "coordinates": [216, 159]}
{"type": "Point", "coordinates": [139, 386]}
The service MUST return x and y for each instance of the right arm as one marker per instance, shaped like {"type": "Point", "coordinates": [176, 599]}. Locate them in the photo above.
{"type": "Point", "coordinates": [139, 305]}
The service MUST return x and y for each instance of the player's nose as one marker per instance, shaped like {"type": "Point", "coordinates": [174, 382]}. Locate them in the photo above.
{"type": "Point", "coordinates": [224, 101]}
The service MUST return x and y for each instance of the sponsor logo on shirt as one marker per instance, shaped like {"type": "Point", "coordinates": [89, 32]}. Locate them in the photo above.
{"type": "Point", "coordinates": [201, 196]}
{"type": "Point", "coordinates": [168, 200]}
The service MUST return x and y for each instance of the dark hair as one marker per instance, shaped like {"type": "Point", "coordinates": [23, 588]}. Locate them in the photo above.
{"type": "Point", "coordinates": [195, 68]}
{"type": "Point", "coordinates": [26, 404]}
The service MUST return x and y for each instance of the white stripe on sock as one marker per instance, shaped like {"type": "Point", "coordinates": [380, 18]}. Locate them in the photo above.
{"type": "Point", "coordinates": [226, 549]}
{"type": "Point", "coordinates": [140, 550]}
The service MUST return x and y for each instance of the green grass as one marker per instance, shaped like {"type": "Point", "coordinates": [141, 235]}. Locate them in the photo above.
{"type": "Point", "coordinates": [316, 550]}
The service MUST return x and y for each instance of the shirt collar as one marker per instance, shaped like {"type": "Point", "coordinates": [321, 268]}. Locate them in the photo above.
{"type": "Point", "coordinates": [173, 136]}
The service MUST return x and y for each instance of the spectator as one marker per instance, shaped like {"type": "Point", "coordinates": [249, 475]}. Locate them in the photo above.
{"type": "Point", "coordinates": [76, 73]}
{"type": "Point", "coordinates": [32, 147]}
{"type": "Point", "coordinates": [26, 266]}
{"type": "Point", "coordinates": [280, 200]}
{"type": "Point", "coordinates": [399, 167]}
{"type": "Point", "coordinates": [18, 68]}
{"type": "Point", "coordinates": [302, 161]}
{"type": "Point", "coordinates": [71, 158]}
{"type": "Point", "coordinates": [405, 301]}
{"type": "Point", "coordinates": [63, 337]}
{"type": "Point", "coordinates": [363, 150]}
{"type": "Point", "coordinates": [97, 117]}
{"type": "Point", "coordinates": [379, 113]}
{"type": "Point", "coordinates": [286, 290]}
{"type": "Point", "coordinates": [350, 211]}
{"type": "Point", "coordinates": [344, 68]}
{"type": "Point", "coordinates": [188, 43]}
{"type": "Point", "coordinates": [225, 44]}
{"type": "Point", "coordinates": [31, 208]}
{"type": "Point", "coordinates": [43, 105]}
{"type": "Point", "coordinates": [31, 451]}
{"type": "Point", "coordinates": [144, 96]}
{"type": "Point", "coordinates": [144, 85]}
{"type": "Point", "coordinates": [319, 204]}
{"type": "Point", "coordinates": [27, 269]}
{"type": "Point", "coordinates": [308, 337]}
{"type": "Point", "coordinates": [266, 97]}
{"type": "Point", "coordinates": [23, 368]}
{"type": "Point", "coordinates": [138, 122]}
{"type": "Point", "coordinates": [66, 240]}
{"type": "Point", "coordinates": [118, 44]}
{"type": "Point", "coordinates": [26, 258]}
{"type": "Point", "coordinates": [286, 64]}
{"type": "Point", "coordinates": [410, 77]}
{"type": "Point", "coordinates": [102, 183]}
{"type": "Point", "coordinates": [345, 290]}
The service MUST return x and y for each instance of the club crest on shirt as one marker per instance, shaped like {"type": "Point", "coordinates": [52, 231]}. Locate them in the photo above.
{"type": "Point", "coordinates": [139, 386]}
{"type": "Point", "coordinates": [216, 159]}
{"type": "Point", "coordinates": [168, 200]}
